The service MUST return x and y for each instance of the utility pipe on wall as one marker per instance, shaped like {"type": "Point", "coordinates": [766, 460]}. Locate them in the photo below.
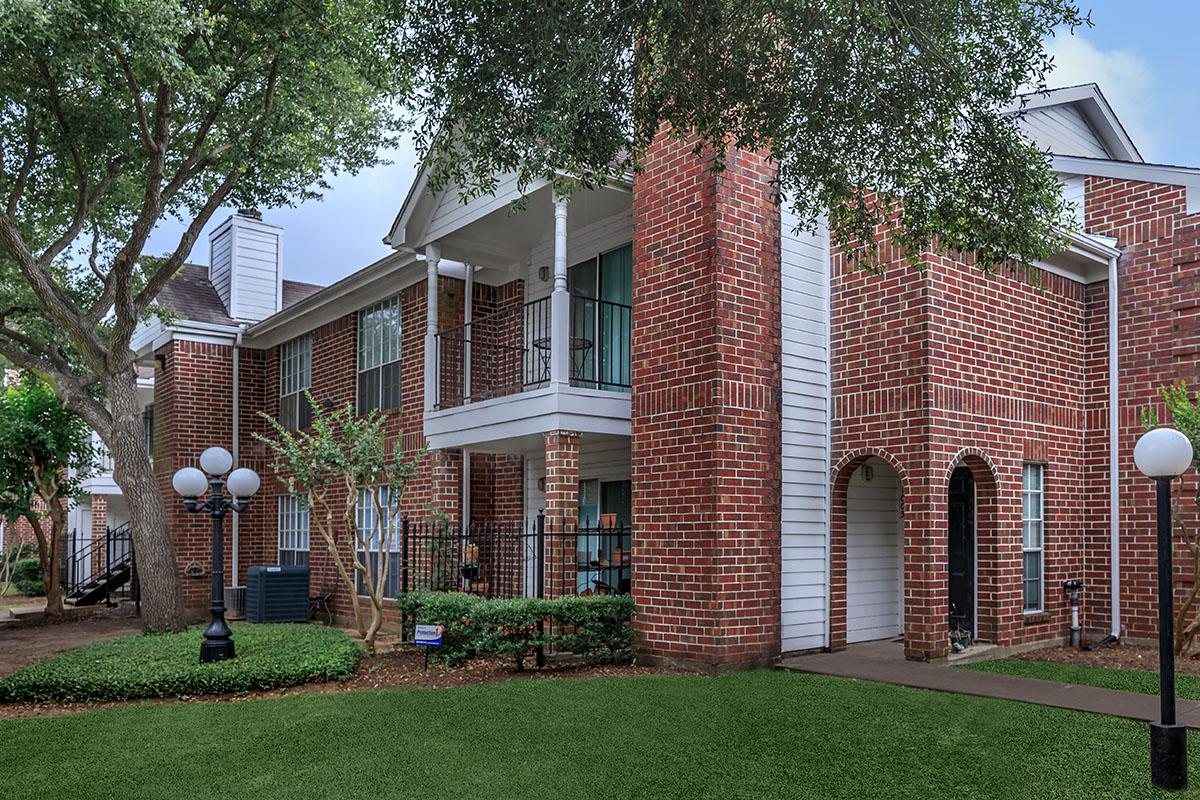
{"type": "Point", "coordinates": [1114, 419]}
{"type": "Point", "coordinates": [237, 345]}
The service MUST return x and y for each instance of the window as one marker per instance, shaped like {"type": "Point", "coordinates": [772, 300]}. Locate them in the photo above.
{"type": "Point", "coordinates": [1033, 526]}
{"type": "Point", "coordinates": [379, 356]}
{"type": "Point", "coordinates": [295, 375]}
{"type": "Point", "coordinates": [293, 530]}
{"type": "Point", "coordinates": [365, 519]}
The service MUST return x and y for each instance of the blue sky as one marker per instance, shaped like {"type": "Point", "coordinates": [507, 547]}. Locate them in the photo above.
{"type": "Point", "coordinates": [1142, 54]}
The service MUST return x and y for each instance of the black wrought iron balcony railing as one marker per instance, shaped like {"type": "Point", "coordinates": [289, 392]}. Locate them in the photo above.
{"type": "Point", "coordinates": [509, 351]}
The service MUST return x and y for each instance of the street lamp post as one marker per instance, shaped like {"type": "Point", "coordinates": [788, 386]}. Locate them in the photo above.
{"type": "Point", "coordinates": [242, 484]}
{"type": "Point", "coordinates": [1164, 454]}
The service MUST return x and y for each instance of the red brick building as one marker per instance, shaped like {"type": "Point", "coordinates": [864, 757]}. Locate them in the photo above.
{"type": "Point", "coordinates": [803, 455]}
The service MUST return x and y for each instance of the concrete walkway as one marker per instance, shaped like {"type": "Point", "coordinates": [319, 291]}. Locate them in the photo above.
{"type": "Point", "coordinates": [884, 662]}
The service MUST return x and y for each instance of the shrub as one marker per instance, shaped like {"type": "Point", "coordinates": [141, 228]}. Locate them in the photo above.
{"type": "Point", "coordinates": [598, 628]}
{"type": "Point", "coordinates": [27, 577]}
{"type": "Point", "coordinates": [167, 665]}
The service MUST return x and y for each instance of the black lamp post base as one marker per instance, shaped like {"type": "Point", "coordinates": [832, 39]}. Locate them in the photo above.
{"type": "Point", "coordinates": [1168, 756]}
{"type": "Point", "coordinates": [216, 650]}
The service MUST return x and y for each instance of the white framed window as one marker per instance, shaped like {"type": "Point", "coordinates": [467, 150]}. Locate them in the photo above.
{"type": "Point", "coordinates": [295, 375]}
{"type": "Point", "coordinates": [377, 549]}
{"type": "Point", "coordinates": [1033, 532]}
{"type": "Point", "coordinates": [379, 356]}
{"type": "Point", "coordinates": [293, 530]}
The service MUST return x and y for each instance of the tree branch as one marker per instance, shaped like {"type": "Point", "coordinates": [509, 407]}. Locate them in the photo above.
{"type": "Point", "coordinates": [26, 167]}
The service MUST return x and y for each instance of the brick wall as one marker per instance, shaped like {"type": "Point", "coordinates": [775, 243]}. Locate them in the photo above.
{"type": "Point", "coordinates": [1159, 301]}
{"type": "Point", "coordinates": [705, 447]}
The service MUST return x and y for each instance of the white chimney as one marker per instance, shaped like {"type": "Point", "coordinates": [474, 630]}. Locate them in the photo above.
{"type": "Point", "coordinates": [246, 266]}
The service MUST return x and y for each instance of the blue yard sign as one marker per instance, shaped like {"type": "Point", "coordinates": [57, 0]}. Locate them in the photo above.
{"type": "Point", "coordinates": [428, 635]}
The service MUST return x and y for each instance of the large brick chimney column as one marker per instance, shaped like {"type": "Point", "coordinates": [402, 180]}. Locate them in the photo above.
{"type": "Point", "coordinates": [706, 408]}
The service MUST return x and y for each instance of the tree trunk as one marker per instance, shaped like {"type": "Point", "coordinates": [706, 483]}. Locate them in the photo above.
{"type": "Point", "coordinates": [48, 559]}
{"type": "Point", "coordinates": [158, 573]}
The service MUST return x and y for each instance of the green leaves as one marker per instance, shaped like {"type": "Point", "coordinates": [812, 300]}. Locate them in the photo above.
{"type": "Point", "coordinates": [884, 115]}
{"type": "Point", "coordinates": [167, 665]}
{"type": "Point", "coordinates": [45, 450]}
{"type": "Point", "coordinates": [596, 628]}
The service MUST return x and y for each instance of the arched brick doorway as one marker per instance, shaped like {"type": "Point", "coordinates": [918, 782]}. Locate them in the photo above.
{"type": "Point", "coordinates": [971, 549]}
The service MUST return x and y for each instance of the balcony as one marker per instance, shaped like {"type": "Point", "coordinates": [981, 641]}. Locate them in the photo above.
{"type": "Point", "coordinates": [495, 378]}
{"type": "Point", "coordinates": [510, 351]}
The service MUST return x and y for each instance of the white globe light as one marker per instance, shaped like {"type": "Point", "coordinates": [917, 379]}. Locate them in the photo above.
{"type": "Point", "coordinates": [216, 461]}
{"type": "Point", "coordinates": [1163, 453]}
{"type": "Point", "coordinates": [242, 482]}
{"type": "Point", "coordinates": [189, 482]}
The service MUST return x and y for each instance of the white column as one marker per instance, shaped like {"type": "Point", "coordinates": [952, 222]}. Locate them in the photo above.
{"type": "Point", "coordinates": [468, 316]}
{"type": "Point", "coordinates": [433, 256]}
{"type": "Point", "coordinates": [560, 302]}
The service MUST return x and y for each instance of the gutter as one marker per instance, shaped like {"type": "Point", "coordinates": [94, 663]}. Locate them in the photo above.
{"type": "Point", "coordinates": [1114, 418]}
{"type": "Point", "coordinates": [237, 344]}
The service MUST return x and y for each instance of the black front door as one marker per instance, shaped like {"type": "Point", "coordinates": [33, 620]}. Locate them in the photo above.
{"type": "Point", "coordinates": [962, 551]}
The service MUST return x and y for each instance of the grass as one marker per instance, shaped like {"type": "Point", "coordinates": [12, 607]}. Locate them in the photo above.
{"type": "Point", "coordinates": [747, 735]}
{"type": "Point", "coordinates": [1127, 680]}
{"type": "Point", "coordinates": [167, 665]}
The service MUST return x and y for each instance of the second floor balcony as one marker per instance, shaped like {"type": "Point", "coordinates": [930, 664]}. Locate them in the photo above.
{"type": "Point", "coordinates": [511, 350]}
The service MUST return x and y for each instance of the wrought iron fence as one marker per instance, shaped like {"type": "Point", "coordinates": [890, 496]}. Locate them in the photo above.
{"type": "Point", "coordinates": [509, 351]}
{"type": "Point", "coordinates": [534, 558]}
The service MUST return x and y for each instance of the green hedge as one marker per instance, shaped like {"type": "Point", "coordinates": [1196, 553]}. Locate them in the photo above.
{"type": "Point", "coordinates": [27, 577]}
{"type": "Point", "coordinates": [167, 665]}
{"type": "Point", "coordinates": [597, 628]}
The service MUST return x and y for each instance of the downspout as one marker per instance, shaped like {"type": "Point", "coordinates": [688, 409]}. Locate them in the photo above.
{"type": "Point", "coordinates": [1114, 419]}
{"type": "Point", "coordinates": [237, 344]}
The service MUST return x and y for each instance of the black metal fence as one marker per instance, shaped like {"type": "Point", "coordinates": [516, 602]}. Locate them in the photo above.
{"type": "Point", "coordinates": [533, 558]}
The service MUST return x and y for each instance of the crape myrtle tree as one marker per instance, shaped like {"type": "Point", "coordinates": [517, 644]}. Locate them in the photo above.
{"type": "Point", "coordinates": [341, 458]}
{"type": "Point", "coordinates": [45, 454]}
{"type": "Point", "coordinates": [117, 113]}
{"type": "Point", "coordinates": [885, 114]}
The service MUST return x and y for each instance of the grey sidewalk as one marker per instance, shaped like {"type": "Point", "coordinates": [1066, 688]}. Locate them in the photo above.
{"type": "Point", "coordinates": [884, 662]}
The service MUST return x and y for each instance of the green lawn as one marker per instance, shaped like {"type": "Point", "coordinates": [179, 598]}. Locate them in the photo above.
{"type": "Point", "coordinates": [1186, 686]}
{"type": "Point", "coordinates": [747, 735]}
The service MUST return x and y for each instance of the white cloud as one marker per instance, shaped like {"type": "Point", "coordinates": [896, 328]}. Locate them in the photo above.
{"type": "Point", "coordinates": [1123, 76]}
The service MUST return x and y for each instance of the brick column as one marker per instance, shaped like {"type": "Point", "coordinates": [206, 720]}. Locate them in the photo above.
{"type": "Point", "coordinates": [562, 510]}
{"type": "Point", "coordinates": [445, 490]}
{"type": "Point", "coordinates": [99, 529]}
{"type": "Point", "coordinates": [705, 447]}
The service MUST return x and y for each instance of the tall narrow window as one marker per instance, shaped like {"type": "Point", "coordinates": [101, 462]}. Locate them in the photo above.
{"type": "Point", "coordinates": [148, 428]}
{"type": "Point", "coordinates": [379, 356]}
{"type": "Point", "coordinates": [295, 375]}
{"type": "Point", "coordinates": [1033, 526]}
{"type": "Point", "coordinates": [380, 546]}
{"type": "Point", "coordinates": [293, 530]}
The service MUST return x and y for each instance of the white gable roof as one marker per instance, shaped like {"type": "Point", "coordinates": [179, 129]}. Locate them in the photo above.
{"type": "Point", "coordinates": [1074, 121]}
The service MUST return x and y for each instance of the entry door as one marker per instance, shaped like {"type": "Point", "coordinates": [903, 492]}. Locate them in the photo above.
{"type": "Point", "coordinates": [962, 550]}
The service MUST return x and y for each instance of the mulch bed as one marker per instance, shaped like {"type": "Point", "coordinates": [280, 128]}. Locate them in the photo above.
{"type": "Point", "coordinates": [399, 669]}
{"type": "Point", "coordinates": [1120, 656]}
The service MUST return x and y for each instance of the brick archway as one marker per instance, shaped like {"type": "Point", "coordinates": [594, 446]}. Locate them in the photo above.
{"type": "Point", "coordinates": [988, 558]}
{"type": "Point", "coordinates": [840, 476]}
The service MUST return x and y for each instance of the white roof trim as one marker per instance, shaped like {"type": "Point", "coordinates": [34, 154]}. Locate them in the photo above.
{"type": "Point", "coordinates": [1095, 109]}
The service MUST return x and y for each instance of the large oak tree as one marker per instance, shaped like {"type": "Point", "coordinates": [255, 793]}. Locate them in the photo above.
{"type": "Point", "coordinates": [117, 113]}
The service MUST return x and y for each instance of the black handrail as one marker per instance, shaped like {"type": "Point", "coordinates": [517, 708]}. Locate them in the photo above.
{"type": "Point", "coordinates": [117, 549]}
{"type": "Point", "coordinates": [510, 350]}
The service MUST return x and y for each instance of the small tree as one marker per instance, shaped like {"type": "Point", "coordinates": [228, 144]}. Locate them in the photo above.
{"type": "Point", "coordinates": [1184, 409]}
{"type": "Point", "coordinates": [329, 465]}
{"type": "Point", "coordinates": [45, 454]}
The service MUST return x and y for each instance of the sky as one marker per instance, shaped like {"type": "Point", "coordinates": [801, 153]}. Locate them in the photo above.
{"type": "Point", "coordinates": [1141, 53]}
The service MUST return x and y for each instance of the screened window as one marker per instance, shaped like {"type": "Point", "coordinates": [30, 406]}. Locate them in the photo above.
{"type": "Point", "coordinates": [379, 356]}
{"type": "Point", "coordinates": [295, 375]}
{"type": "Point", "coordinates": [383, 542]}
{"type": "Point", "coordinates": [293, 530]}
{"type": "Point", "coordinates": [1033, 525]}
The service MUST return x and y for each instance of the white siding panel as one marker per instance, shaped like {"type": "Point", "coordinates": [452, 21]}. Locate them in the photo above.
{"type": "Point", "coordinates": [1063, 131]}
{"type": "Point", "coordinates": [874, 560]}
{"type": "Point", "coordinates": [1073, 191]}
{"type": "Point", "coordinates": [804, 583]}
